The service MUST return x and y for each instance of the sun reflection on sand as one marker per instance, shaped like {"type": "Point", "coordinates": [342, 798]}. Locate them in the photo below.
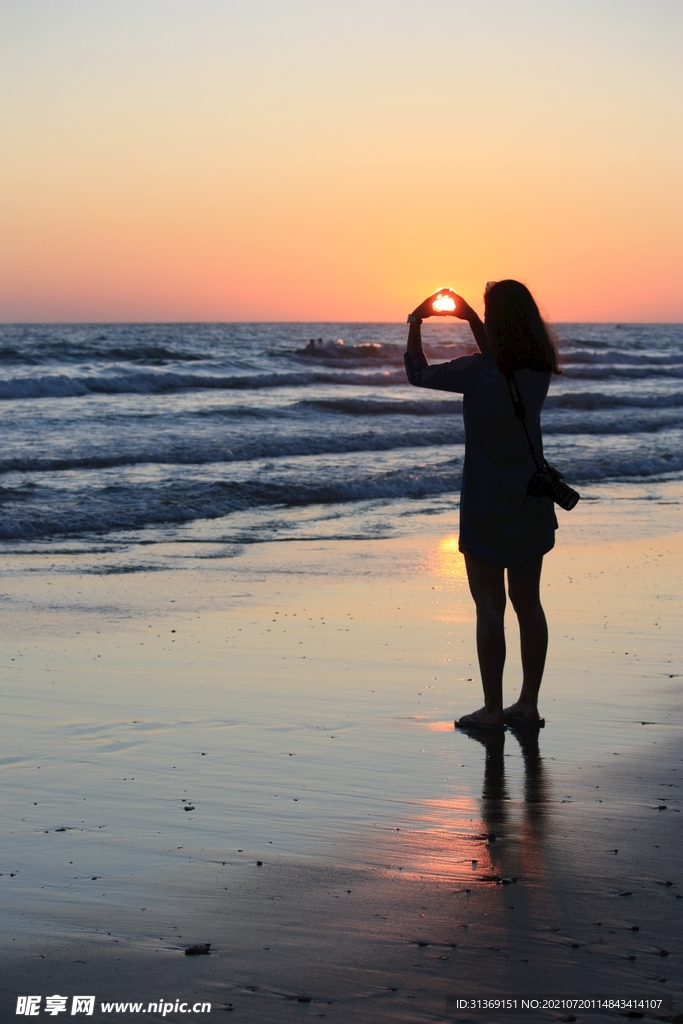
{"type": "Point", "coordinates": [446, 561]}
{"type": "Point", "coordinates": [495, 838]}
{"type": "Point", "coordinates": [445, 839]}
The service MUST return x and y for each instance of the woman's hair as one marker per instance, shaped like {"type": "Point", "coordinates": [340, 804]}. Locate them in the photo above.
{"type": "Point", "coordinates": [520, 338]}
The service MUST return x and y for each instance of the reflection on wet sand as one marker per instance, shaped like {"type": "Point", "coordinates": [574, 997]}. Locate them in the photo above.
{"type": "Point", "coordinates": [465, 839]}
{"type": "Point", "coordinates": [516, 848]}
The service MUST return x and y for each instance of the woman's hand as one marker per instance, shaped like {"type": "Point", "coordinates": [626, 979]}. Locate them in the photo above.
{"type": "Point", "coordinates": [459, 308]}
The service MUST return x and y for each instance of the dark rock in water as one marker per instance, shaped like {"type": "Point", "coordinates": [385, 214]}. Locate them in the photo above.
{"type": "Point", "coordinates": [668, 883]}
{"type": "Point", "coordinates": [631, 957]}
{"type": "Point", "coordinates": [189, 807]}
{"type": "Point", "coordinates": [201, 949]}
{"type": "Point", "coordinates": [635, 928]}
{"type": "Point", "coordinates": [575, 945]}
{"type": "Point", "coordinates": [304, 999]}
{"type": "Point", "coordinates": [663, 952]}
{"type": "Point", "coordinates": [259, 863]}
{"type": "Point", "coordinates": [662, 807]}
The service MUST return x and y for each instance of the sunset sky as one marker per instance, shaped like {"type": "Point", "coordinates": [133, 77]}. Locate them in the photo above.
{"type": "Point", "coordinates": [338, 159]}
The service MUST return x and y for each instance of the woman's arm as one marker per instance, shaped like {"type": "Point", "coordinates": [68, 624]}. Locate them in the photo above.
{"type": "Point", "coordinates": [478, 329]}
{"type": "Point", "coordinates": [453, 376]}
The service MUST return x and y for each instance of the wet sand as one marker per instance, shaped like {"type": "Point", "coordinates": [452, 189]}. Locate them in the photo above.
{"type": "Point", "coordinates": [172, 720]}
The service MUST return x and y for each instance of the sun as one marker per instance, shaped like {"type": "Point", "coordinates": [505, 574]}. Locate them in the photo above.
{"type": "Point", "coordinates": [443, 304]}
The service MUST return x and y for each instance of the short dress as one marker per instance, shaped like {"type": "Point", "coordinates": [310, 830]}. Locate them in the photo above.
{"type": "Point", "coordinates": [500, 522]}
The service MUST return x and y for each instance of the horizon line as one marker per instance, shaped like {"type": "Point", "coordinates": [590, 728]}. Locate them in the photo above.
{"type": "Point", "coordinates": [100, 323]}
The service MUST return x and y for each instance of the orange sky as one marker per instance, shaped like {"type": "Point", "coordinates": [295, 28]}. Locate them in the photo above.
{"type": "Point", "coordinates": [263, 160]}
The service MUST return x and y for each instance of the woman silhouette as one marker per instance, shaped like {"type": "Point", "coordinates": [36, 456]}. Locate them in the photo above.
{"type": "Point", "coordinates": [502, 525]}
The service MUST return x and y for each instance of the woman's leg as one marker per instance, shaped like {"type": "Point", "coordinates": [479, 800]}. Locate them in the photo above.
{"type": "Point", "coordinates": [487, 586]}
{"type": "Point", "coordinates": [524, 589]}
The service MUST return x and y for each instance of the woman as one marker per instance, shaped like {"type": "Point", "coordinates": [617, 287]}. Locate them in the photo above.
{"type": "Point", "coordinates": [502, 526]}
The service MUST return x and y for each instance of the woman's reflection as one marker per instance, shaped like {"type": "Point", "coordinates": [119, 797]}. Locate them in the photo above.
{"type": "Point", "coordinates": [524, 857]}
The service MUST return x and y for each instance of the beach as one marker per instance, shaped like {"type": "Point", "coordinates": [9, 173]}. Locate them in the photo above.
{"type": "Point", "coordinates": [253, 747]}
{"type": "Point", "coordinates": [237, 633]}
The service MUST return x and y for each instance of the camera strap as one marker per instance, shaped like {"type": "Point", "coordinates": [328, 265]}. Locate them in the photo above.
{"type": "Point", "coordinates": [520, 413]}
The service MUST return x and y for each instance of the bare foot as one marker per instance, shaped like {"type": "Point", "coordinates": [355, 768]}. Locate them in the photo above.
{"type": "Point", "coordinates": [483, 718]}
{"type": "Point", "coordinates": [521, 710]}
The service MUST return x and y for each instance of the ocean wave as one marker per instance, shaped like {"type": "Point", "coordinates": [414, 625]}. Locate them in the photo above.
{"type": "Point", "coordinates": [336, 353]}
{"type": "Point", "coordinates": [352, 406]}
{"type": "Point", "coordinates": [613, 357]}
{"type": "Point", "coordinates": [182, 451]}
{"type": "Point", "coordinates": [150, 383]}
{"type": "Point", "coordinates": [53, 386]}
{"type": "Point", "coordinates": [319, 349]}
{"type": "Point", "coordinates": [141, 382]}
{"type": "Point", "coordinates": [52, 353]}
{"type": "Point", "coordinates": [134, 505]}
{"type": "Point", "coordinates": [590, 401]}
{"type": "Point", "coordinates": [607, 372]}
{"type": "Point", "coordinates": [285, 436]}
{"type": "Point", "coordinates": [595, 400]}
{"type": "Point", "coordinates": [142, 507]}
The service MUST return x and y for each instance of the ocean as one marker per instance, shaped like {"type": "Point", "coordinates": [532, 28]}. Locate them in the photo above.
{"type": "Point", "coordinates": [241, 433]}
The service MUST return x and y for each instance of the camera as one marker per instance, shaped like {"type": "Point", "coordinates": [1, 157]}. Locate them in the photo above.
{"type": "Point", "coordinates": [548, 481]}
